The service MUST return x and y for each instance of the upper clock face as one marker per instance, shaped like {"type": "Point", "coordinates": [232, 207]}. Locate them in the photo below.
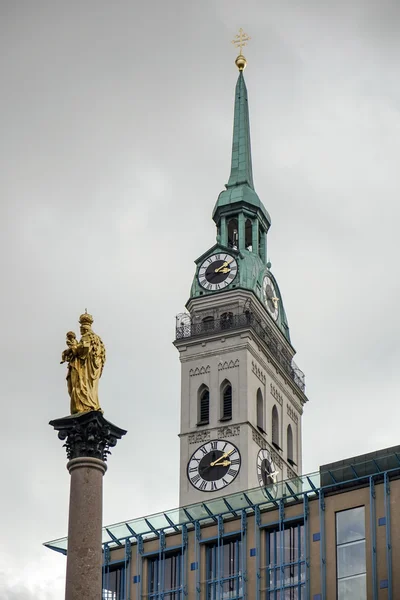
{"type": "Point", "coordinates": [217, 272]}
{"type": "Point", "coordinates": [270, 297]}
{"type": "Point", "coordinates": [267, 472]}
{"type": "Point", "coordinates": [213, 466]}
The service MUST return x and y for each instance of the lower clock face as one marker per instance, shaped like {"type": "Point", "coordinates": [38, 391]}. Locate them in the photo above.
{"type": "Point", "coordinates": [217, 272]}
{"type": "Point", "coordinates": [270, 298]}
{"type": "Point", "coordinates": [213, 466]}
{"type": "Point", "coordinates": [267, 472]}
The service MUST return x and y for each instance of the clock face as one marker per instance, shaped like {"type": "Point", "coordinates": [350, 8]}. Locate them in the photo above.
{"type": "Point", "coordinates": [270, 298]}
{"type": "Point", "coordinates": [267, 472]}
{"type": "Point", "coordinates": [213, 466]}
{"type": "Point", "coordinates": [217, 272]}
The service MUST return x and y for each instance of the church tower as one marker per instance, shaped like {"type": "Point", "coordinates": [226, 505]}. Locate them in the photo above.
{"type": "Point", "coordinates": [242, 395]}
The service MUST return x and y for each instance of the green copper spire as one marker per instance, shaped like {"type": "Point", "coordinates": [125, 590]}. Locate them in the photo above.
{"type": "Point", "coordinates": [241, 167]}
{"type": "Point", "coordinates": [240, 193]}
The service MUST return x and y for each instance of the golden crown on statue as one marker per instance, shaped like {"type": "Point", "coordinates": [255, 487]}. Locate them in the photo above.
{"type": "Point", "coordinates": [86, 319]}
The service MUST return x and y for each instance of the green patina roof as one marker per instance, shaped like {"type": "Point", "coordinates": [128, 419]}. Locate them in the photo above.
{"type": "Point", "coordinates": [240, 187]}
{"type": "Point", "coordinates": [241, 167]}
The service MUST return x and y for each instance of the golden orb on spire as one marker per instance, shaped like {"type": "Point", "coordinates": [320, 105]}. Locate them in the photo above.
{"type": "Point", "coordinates": [239, 41]}
{"type": "Point", "coordinates": [241, 62]}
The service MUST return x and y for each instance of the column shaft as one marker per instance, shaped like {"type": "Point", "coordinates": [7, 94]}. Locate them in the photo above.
{"type": "Point", "coordinates": [84, 558]}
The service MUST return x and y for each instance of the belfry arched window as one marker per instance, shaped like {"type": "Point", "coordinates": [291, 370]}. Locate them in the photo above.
{"type": "Point", "coordinates": [226, 320]}
{"type": "Point", "coordinates": [226, 401]}
{"type": "Point", "coordinates": [248, 235]}
{"type": "Point", "coordinates": [208, 323]}
{"type": "Point", "coordinates": [260, 411]}
{"type": "Point", "coordinates": [233, 235]}
{"type": "Point", "coordinates": [203, 416]}
{"type": "Point", "coordinates": [275, 427]}
{"type": "Point", "coordinates": [289, 435]}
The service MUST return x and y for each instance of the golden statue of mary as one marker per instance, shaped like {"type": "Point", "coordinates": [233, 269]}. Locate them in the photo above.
{"type": "Point", "coordinates": [86, 360]}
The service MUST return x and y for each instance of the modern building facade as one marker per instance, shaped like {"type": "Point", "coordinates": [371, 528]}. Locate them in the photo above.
{"type": "Point", "coordinates": [250, 525]}
{"type": "Point", "coordinates": [324, 536]}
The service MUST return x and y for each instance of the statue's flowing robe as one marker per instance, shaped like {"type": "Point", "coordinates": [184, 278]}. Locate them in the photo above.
{"type": "Point", "coordinates": [84, 373]}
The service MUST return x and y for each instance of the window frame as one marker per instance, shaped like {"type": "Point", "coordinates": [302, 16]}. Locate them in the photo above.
{"type": "Point", "coordinates": [225, 385]}
{"type": "Point", "coordinates": [175, 592]}
{"type": "Point", "coordinates": [260, 413]}
{"type": "Point", "coordinates": [234, 579]}
{"type": "Point", "coordinates": [275, 428]}
{"type": "Point", "coordinates": [107, 594]}
{"type": "Point", "coordinates": [349, 543]}
{"type": "Point", "coordinates": [290, 455]}
{"type": "Point", "coordinates": [203, 389]}
{"type": "Point", "coordinates": [275, 569]}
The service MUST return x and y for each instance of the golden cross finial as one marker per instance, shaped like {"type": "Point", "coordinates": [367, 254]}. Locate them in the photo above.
{"type": "Point", "coordinates": [241, 40]}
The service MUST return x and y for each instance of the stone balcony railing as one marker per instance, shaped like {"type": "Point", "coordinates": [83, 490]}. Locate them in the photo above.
{"type": "Point", "coordinates": [189, 328]}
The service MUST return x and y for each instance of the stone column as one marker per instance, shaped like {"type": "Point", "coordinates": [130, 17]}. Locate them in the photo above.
{"type": "Point", "coordinates": [88, 439]}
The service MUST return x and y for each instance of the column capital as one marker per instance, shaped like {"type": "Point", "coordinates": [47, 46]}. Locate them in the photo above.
{"type": "Point", "coordinates": [87, 435]}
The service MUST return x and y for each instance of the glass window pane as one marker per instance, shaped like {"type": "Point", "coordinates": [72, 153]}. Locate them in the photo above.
{"type": "Point", "coordinates": [351, 559]}
{"type": "Point", "coordinates": [354, 588]}
{"type": "Point", "coordinates": [113, 583]}
{"type": "Point", "coordinates": [350, 525]}
{"type": "Point", "coordinates": [287, 545]}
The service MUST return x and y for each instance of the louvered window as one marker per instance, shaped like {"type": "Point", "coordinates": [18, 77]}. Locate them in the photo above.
{"type": "Point", "coordinates": [260, 411]}
{"type": "Point", "coordinates": [275, 428]}
{"type": "Point", "coordinates": [227, 403]}
{"type": "Point", "coordinates": [290, 445]}
{"type": "Point", "coordinates": [204, 407]}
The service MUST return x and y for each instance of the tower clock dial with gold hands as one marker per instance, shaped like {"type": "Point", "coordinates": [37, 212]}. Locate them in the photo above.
{"type": "Point", "coordinates": [213, 466]}
{"type": "Point", "coordinates": [267, 472]}
{"type": "Point", "coordinates": [270, 297]}
{"type": "Point", "coordinates": [217, 271]}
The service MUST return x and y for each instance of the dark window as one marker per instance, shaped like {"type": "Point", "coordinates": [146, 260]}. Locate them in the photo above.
{"type": "Point", "coordinates": [248, 235]}
{"type": "Point", "coordinates": [204, 406]}
{"type": "Point", "coordinates": [165, 576]}
{"type": "Point", "coordinates": [285, 568]}
{"type": "Point", "coordinates": [261, 244]}
{"type": "Point", "coordinates": [114, 582]}
{"type": "Point", "coordinates": [290, 445]}
{"type": "Point", "coordinates": [224, 575]}
{"type": "Point", "coordinates": [233, 234]}
{"type": "Point", "coordinates": [208, 323]}
{"type": "Point", "coordinates": [350, 554]}
{"type": "Point", "coordinates": [226, 401]}
{"type": "Point", "coordinates": [226, 320]}
{"type": "Point", "coordinates": [275, 427]}
{"type": "Point", "coordinates": [260, 411]}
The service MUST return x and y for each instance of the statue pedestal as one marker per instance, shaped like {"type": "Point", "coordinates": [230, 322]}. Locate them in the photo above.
{"type": "Point", "coordinates": [88, 437]}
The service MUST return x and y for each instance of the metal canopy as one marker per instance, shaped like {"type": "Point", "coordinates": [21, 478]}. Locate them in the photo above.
{"type": "Point", "coordinates": [262, 499]}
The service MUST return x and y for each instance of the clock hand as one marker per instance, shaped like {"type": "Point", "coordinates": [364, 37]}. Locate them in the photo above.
{"type": "Point", "coordinates": [225, 264]}
{"type": "Point", "coordinates": [225, 455]}
{"type": "Point", "coordinates": [275, 300]}
{"type": "Point", "coordinates": [224, 463]}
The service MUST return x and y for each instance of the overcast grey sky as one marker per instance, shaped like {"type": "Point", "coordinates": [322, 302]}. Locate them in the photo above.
{"type": "Point", "coordinates": [116, 125]}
